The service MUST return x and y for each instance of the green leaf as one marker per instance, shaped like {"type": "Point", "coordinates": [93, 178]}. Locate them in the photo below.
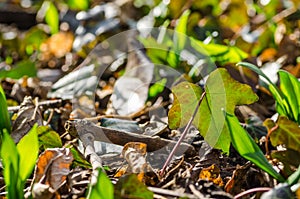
{"type": "Point", "coordinates": [21, 69]}
{"type": "Point", "coordinates": [48, 138]}
{"type": "Point", "coordinates": [4, 116]}
{"type": "Point", "coordinates": [9, 156]}
{"type": "Point", "coordinates": [287, 133]}
{"type": "Point", "coordinates": [32, 40]}
{"type": "Point", "coordinates": [179, 37]}
{"type": "Point", "coordinates": [222, 92]}
{"type": "Point", "coordinates": [28, 149]}
{"type": "Point", "coordinates": [51, 16]}
{"type": "Point", "coordinates": [247, 147]}
{"type": "Point", "coordinates": [129, 186]}
{"type": "Point", "coordinates": [219, 53]}
{"type": "Point", "coordinates": [79, 159]}
{"type": "Point", "coordinates": [103, 189]}
{"type": "Point", "coordinates": [294, 178]}
{"type": "Point", "coordinates": [281, 105]}
{"type": "Point", "coordinates": [78, 4]}
{"type": "Point", "coordinates": [157, 88]}
{"type": "Point", "coordinates": [290, 87]}
{"type": "Point", "coordinates": [10, 160]}
{"type": "Point", "coordinates": [186, 96]}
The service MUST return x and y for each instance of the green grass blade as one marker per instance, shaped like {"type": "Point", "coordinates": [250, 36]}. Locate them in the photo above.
{"type": "Point", "coordinates": [28, 149]}
{"type": "Point", "coordinates": [281, 105]}
{"type": "Point", "coordinates": [247, 147]}
{"type": "Point", "coordinates": [10, 160]}
{"type": "Point", "coordinates": [4, 116]}
{"type": "Point", "coordinates": [290, 87]}
{"type": "Point", "coordinates": [103, 189]}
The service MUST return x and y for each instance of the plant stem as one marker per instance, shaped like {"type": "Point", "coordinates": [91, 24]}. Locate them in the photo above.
{"type": "Point", "coordinates": [182, 135]}
{"type": "Point", "coordinates": [257, 189]}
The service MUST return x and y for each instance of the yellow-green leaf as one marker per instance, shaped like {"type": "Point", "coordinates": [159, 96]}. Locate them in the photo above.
{"type": "Point", "coordinates": [222, 92]}
{"type": "Point", "coordinates": [287, 133]}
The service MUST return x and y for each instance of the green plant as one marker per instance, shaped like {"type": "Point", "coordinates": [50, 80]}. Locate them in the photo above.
{"type": "Point", "coordinates": [287, 96]}
{"type": "Point", "coordinates": [247, 148]}
{"type": "Point", "coordinates": [4, 116]}
{"type": "Point", "coordinates": [217, 130]}
{"type": "Point", "coordinates": [18, 161]}
{"type": "Point", "coordinates": [103, 189]}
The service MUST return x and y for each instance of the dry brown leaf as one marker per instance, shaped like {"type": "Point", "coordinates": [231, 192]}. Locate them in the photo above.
{"type": "Point", "coordinates": [27, 116]}
{"type": "Point", "coordinates": [53, 167]}
{"type": "Point", "coordinates": [135, 155]}
{"type": "Point", "coordinates": [212, 173]}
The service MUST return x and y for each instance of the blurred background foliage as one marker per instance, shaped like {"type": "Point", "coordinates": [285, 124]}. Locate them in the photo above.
{"type": "Point", "coordinates": [59, 34]}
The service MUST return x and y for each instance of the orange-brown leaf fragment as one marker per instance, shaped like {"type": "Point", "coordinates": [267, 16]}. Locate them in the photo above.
{"type": "Point", "coordinates": [53, 167]}
{"type": "Point", "coordinates": [212, 173]}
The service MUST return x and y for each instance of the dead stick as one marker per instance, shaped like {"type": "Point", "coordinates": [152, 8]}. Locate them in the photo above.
{"type": "Point", "coordinates": [182, 135]}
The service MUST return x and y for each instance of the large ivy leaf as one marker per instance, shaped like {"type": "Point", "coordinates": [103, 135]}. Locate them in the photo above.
{"type": "Point", "coordinates": [287, 133]}
{"type": "Point", "coordinates": [222, 92]}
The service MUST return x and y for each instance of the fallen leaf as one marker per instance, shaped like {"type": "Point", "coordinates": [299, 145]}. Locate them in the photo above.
{"type": "Point", "coordinates": [212, 173]}
{"type": "Point", "coordinates": [135, 155]}
{"type": "Point", "coordinates": [287, 133]}
{"type": "Point", "coordinates": [52, 167]}
{"type": "Point", "coordinates": [27, 116]}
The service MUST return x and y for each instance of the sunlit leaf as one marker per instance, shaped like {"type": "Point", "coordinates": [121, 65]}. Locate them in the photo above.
{"type": "Point", "coordinates": [78, 4]}
{"type": "Point", "coordinates": [219, 53]}
{"type": "Point", "coordinates": [281, 105]}
{"type": "Point", "coordinates": [186, 96]}
{"type": "Point", "coordinates": [4, 121]}
{"type": "Point", "coordinates": [130, 187]}
{"type": "Point", "coordinates": [32, 40]}
{"type": "Point", "coordinates": [48, 137]}
{"type": "Point", "coordinates": [21, 69]}
{"type": "Point", "coordinates": [247, 147]}
{"type": "Point", "coordinates": [287, 133]}
{"type": "Point", "coordinates": [53, 166]}
{"type": "Point", "coordinates": [51, 16]}
{"type": "Point", "coordinates": [179, 37]}
{"type": "Point", "coordinates": [157, 88]}
{"type": "Point", "coordinates": [103, 189]}
{"type": "Point", "coordinates": [290, 87]}
{"type": "Point", "coordinates": [222, 92]}
{"type": "Point", "coordinates": [10, 160]}
{"type": "Point", "coordinates": [28, 149]}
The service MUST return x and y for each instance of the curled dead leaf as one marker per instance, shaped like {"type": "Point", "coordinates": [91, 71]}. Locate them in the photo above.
{"type": "Point", "coordinates": [52, 169]}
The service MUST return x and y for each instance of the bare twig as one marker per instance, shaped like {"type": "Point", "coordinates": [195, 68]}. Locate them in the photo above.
{"type": "Point", "coordinates": [44, 103]}
{"type": "Point", "coordinates": [249, 191]}
{"type": "Point", "coordinates": [182, 135]}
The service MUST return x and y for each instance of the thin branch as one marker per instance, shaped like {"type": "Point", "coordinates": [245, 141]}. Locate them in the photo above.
{"type": "Point", "coordinates": [182, 135]}
{"type": "Point", "coordinates": [257, 189]}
